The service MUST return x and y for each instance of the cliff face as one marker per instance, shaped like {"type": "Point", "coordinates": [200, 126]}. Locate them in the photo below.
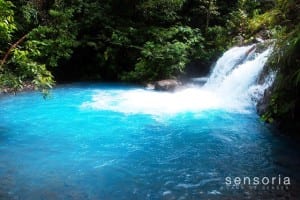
{"type": "Point", "coordinates": [281, 102]}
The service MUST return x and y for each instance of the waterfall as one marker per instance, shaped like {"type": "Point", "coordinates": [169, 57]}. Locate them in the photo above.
{"type": "Point", "coordinates": [231, 86]}
{"type": "Point", "coordinates": [227, 63]}
{"type": "Point", "coordinates": [235, 79]}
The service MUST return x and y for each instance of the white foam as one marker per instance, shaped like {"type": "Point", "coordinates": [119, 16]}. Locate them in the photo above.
{"type": "Point", "coordinates": [256, 92]}
{"type": "Point", "coordinates": [228, 90]}
{"type": "Point", "coordinates": [136, 101]}
{"type": "Point", "coordinates": [235, 85]}
{"type": "Point", "coordinates": [226, 64]}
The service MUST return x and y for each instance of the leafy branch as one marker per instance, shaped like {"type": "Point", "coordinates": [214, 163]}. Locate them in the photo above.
{"type": "Point", "coordinates": [11, 48]}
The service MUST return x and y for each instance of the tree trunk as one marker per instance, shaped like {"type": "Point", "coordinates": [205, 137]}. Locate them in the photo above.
{"type": "Point", "coordinates": [12, 47]}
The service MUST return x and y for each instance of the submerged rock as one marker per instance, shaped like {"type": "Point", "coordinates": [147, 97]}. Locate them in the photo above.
{"type": "Point", "coordinates": [167, 85]}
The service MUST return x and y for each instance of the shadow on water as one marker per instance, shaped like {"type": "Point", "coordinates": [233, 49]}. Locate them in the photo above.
{"type": "Point", "coordinates": [285, 156]}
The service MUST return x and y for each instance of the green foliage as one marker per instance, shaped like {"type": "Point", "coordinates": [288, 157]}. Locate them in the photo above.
{"type": "Point", "coordinates": [160, 61]}
{"type": "Point", "coordinates": [132, 40]}
{"type": "Point", "coordinates": [28, 69]}
{"type": "Point", "coordinates": [27, 59]}
{"type": "Point", "coordinates": [166, 55]}
{"type": "Point", "coordinates": [7, 23]}
{"type": "Point", "coordinates": [56, 40]}
{"type": "Point", "coordinates": [265, 20]}
{"type": "Point", "coordinates": [161, 10]}
{"type": "Point", "coordinates": [216, 42]}
{"type": "Point", "coordinates": [30, 13]}
{"type": "Point", "coordinates": [238, 22]}
{"type": "Point", "coordinates": [249, 6]}
{"type": "Point", "coordinates": [25, 70]}
{"type": "Point", "coordinates": [250, 17]}
{"type": "Point", "coordinates": [201, 13]}
{"type": "Point", "coordinates": [285, 102]}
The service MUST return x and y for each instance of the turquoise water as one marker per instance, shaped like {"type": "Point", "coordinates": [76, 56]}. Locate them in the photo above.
{"type": "Point", "coordinates": [64, 148]}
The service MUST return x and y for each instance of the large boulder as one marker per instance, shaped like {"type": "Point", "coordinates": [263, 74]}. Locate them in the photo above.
{"type": "Point", "coordinates": [167, 85]}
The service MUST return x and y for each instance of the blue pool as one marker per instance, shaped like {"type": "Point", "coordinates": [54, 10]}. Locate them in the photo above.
{"type": "Point", "coordinates": [114, 141]}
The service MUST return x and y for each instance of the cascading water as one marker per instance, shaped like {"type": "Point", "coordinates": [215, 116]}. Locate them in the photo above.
{"type": "Point", "coordinates": [257, 91]}
{"type": "Point", "coordinates": [227, 88]}
{"type": "Point", "coordinates": [243, 76]}
{"type": "Point", "coordinates": [235, 85]}
{"type": "Point", "coordinates": [225, 64]}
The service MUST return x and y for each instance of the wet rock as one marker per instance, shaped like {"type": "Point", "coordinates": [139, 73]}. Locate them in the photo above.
{"type": "Point", "coordinates": [263, 103]}
{"type": "Point", "coordinates": [167, 85]}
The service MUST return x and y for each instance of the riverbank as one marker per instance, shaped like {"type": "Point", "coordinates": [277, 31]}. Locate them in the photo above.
{"type": "Point", "coordinates": [28, 86]}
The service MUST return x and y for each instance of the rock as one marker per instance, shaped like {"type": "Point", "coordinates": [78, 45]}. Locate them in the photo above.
{"type": "Point", "coordinates": [167, 85]}
{"type": "Point", "coordinates": [263, 103]}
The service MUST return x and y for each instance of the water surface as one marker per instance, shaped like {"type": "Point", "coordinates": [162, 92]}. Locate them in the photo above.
{"type": "Point", "coordinates": [92, 141]}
